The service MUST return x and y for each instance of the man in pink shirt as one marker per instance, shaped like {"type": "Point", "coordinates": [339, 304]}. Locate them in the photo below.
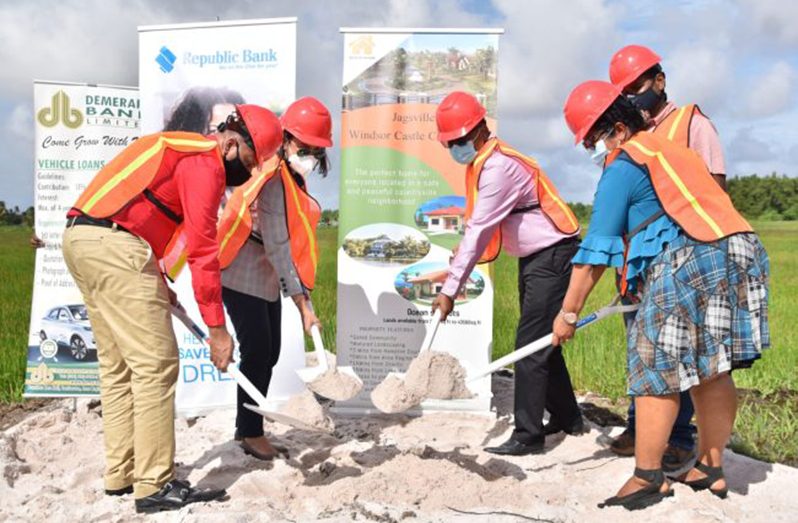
{"type": "Point", "coordinates": [528, 219]}
{"type": "Point", "coordinates": [636, 70]}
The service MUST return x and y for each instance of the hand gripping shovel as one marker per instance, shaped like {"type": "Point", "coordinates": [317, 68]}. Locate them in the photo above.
{"type": "Point", "coordinates": [545, 341]}
{"type": "Point", "coordinates": [242, 380]}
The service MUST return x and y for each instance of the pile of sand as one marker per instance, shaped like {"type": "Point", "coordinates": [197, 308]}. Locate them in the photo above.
{"type": "Point", "coordinates": [372, 469]}
{"type": "Point", "coordinates": [306, 408]}
{"type": "Point", "coordinates": [336, 385]}
{"type": "Point", "coordinates": [392, 396]}
{"type": "Point", "coordinates": [431, 375]}
{"type": "Point", "coordinates": [437, 375]}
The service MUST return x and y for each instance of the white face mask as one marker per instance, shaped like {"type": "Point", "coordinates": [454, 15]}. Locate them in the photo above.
{"type": "Point", "coordinates": [599, 153]}
{"type": "Point", "coordinates": [303, 165]}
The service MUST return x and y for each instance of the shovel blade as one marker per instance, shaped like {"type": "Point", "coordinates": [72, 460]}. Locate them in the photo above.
{"type": "Point", "coordinates": [309, 374]}
{"type": "Point", "coordinates": [276, 417]}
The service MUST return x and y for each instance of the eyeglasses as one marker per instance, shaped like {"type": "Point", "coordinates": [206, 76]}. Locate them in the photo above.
{"type": "Point", "coordinates": [237, 125]}
{"type": "Point", "coordinates": [317, 152]}
{"type": "Point", "coordinates": [590, 141]}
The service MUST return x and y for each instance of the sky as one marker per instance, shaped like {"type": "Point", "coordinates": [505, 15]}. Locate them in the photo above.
{"type": "Point", "coordinates": [737, 59]}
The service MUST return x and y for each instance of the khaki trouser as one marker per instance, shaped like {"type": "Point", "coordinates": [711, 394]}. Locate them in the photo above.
{"type": "Point", "coordinates": [129, 311]}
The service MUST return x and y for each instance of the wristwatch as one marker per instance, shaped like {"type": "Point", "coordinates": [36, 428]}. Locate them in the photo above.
{"type": "Point", "coordinates": [569, 317]}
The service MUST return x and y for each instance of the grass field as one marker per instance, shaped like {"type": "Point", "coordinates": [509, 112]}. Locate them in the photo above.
{"type": "Point", "coordinates": [767, 424]}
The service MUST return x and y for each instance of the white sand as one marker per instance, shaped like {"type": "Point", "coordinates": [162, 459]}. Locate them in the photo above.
{"type": "Point", "coordinates": [437, 375]}
{"type": "Point", "coordinates": [392, 396]}
{"type": "Point", "coordinates": [336, 385]}
{"type": "Point", "coordinates": [308, 410]}
{"type": "Point", "coordinates": [376, 468]}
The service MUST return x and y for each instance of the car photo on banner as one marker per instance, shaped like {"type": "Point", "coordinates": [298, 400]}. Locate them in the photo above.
{"type": "Point", "coordinates": [68, 325]}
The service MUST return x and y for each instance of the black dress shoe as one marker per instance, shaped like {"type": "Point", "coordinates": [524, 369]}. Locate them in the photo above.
{"type": "Point", "coordinates": [574, 429]}
{"type": "Point", "coordinates": [513, 447]}
{"type": "Point", "coordinates": [175, 495]}
{"type": "Point", "coordinates": [119, 491]}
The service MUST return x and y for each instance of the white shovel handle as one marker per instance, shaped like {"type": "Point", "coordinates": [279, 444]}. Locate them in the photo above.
{"type": "Point", "coordinates": [318, 348]}
{"type": "Point", "coordinates": [232, 369]}
{"type": "Point", "coordinates": [545, 341]}
{"type": "Point", "coordinates": [433, 329]}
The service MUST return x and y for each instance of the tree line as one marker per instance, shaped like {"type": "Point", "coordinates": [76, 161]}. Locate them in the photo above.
{"type": "Point", "coordinates": [15, 216]}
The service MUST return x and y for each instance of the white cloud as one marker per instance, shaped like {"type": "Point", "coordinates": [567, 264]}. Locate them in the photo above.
{"type": "Point", "coordinates": [771, 93]}
{"type": "Point", "coordinates": [549, 48]}
{"type": "Point", "coordinates": [773, 19]}
{"type": "Point", "coordinates": [19, 122]}
{"type": "Point", "coordinates": [699, 73]}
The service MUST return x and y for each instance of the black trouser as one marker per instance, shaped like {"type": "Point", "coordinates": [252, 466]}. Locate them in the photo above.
{"type": "Point", "coordinates": [541, 379]}
{"type": "Point", "coordinates": [257, 325]}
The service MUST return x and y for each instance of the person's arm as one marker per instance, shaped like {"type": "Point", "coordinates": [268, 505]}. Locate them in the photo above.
{"type": "Point", "coordinates": [200, 185]}
{"type": "Point", "coordinates": [277, 244]}
{"type": "Point", "coordinates": [501, 185]}
{"type": "Point", "coordinates": [705, 141]}
{"type": "Point", "coordinates": [602, 246]}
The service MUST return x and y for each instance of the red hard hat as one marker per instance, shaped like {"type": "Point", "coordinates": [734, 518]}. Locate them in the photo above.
{"type": "Point", "coordinates": [457, 114]}
{"type": "Point", "coordinates": [585, 105]}
{"type": "Point", "coordinates": [630, 62]}
{"type": "Point", "coordinates": [309, 121]}
{"type": "Point", "coordinates": [264, 128]}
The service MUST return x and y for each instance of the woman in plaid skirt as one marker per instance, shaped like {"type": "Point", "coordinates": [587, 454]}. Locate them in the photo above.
{"type": "Point", "coordinates": [700, 270]}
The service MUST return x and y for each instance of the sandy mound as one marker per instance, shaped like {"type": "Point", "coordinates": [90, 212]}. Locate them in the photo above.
{"type": "Point", "coordinates": [336, 385]}
{"type": "Point", "coordinates": [392, 396]}
{"type": "Point", "coordinates": [305, 408]}
{"type": "Point", "coordinates": [437, 375]}
{"type": "Point", "coordinates": [373, 468]}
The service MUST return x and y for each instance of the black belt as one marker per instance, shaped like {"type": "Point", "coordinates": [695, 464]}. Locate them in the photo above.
{"type": "Point", "coordinates": [527, 208]}
{"type": "Point", "coordinates": [97, 222]}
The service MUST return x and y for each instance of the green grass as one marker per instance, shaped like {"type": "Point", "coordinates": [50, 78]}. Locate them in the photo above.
{"type": "Point", "coordinates": [767, 423]}
{"type": "Point", "coordinates": [16, 285]}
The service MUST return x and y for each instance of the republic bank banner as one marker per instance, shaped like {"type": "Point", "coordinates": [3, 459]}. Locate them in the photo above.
{"type": "Point", "coordinates": [402, 203]}
{"type": "Point", "coordinates": [191, 76]}
{"type": "Point", "coordinates": [78, 128]}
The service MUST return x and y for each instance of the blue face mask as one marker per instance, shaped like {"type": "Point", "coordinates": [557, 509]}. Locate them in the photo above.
{"type": "Point", "coordinates": [463, 154]}
{"type": "Point", "coordinates": [599, 153]}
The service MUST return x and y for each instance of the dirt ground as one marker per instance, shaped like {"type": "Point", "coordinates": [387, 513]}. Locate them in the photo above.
{"type": "Point", "coordinates": [381, 468]}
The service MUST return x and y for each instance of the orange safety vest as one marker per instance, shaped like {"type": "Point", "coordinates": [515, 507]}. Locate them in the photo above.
{"type": "Point", "coordinates": [685, 189]}
{"type": "Point", "coordinates": [235, 226]}
{"type": "Point", "coordinates": [552, 205]}
{"type": "Point", "coordinates": [132, 171]}
{"type": "Point", "coordinates": [676, 126]}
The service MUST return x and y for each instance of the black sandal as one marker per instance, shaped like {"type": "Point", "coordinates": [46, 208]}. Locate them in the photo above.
{"type": "Point", "coordinates": [713, 474]}
{"type": "Point", "coordinates": [645, 497]}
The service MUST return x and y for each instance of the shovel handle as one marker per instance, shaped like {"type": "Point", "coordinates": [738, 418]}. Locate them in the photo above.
{"type": "Point", "coordinates": [545, 341]}
{"type": "Point", "coordinates": [233, 370]}
{"type": "Point", "coordinates": [318, 348]}
{"type": "Point", "coordinates": [433, 329]}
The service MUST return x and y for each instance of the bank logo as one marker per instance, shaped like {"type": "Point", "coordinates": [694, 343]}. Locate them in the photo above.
{"type": "Point", "coordinates": [60, 110]}
{"type": "Point", "coordinates": [362, 46]}
{"type": "Point", "coordinates": [166, 59]}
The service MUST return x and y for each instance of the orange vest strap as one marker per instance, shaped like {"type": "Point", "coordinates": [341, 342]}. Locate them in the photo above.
{"type": "Point", "coordinates": [552, 205]}
{"type": "Point", "coordinates": [131, 172]}
{"type": "Point", "coordinates": [676, 126]}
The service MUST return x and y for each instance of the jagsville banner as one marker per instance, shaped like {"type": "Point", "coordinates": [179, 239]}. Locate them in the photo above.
{"type": "Point", "coordinates": [190, 77]}
{"type": "Point", "coordinates": [78, 128]}
{"type": "Point", "coordinates": [402, 204]}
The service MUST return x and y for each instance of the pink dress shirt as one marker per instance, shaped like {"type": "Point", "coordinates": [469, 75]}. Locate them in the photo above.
{"type": "Point", "coordinates": [505, 184]}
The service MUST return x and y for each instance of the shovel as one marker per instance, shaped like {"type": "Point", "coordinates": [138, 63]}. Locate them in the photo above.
{"type": "Point", "coordinates": [242, 380]}
{"type": "Point", "coordinates": [545, 341]}
{"type": "Point", "coordinates": [426, 344]}
{"type": "Point", "coordinates": [310, 374]}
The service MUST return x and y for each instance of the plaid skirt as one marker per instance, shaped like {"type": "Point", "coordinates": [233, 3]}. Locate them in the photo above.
{"type": "Point", "coordinates": [703, 311]}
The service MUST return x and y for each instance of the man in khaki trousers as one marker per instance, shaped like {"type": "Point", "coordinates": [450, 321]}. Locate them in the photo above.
{"type": "Point", "coordinates": [120, 226]}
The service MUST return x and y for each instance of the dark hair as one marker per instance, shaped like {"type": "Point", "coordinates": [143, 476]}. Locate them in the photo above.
{"type": "Point", "coordinates": [324, 160]}
{"type": "Point", "coordinates": [652, 71]}
{"type": "Point", "coordinates": [621, 110]}
{"type": "Point", "coordinates": [194, 109]}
